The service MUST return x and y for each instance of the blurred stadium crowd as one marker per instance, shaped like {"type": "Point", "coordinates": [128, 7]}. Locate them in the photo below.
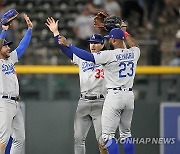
{"type": "Point", "coordinates": [156, 25]}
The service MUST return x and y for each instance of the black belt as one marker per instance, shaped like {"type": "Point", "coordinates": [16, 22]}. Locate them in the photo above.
{"type": "Point", "coordinates": [91, 97]}
{"type": "Point", "coordinates": [12, 98]}
{"type": "Point", "coordinates": [119, 88]}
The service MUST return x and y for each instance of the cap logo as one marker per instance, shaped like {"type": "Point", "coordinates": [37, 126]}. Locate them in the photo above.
{"type": "Point", "coordinates": [93, 37]}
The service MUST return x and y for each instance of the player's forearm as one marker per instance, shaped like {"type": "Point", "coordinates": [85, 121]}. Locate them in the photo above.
{"type": "Point", "coordinates": [83, 54]}
{"type": "Point", "coordinates": [2, 37]}
{"type": "Point", "coordinates": [64, 49]}
{"type": "Point", "coordinates": [3, 34]}
{"type": "Point", "coordinates": [24, 43]}
{"type": "Point", "coordinates": [130, 40]}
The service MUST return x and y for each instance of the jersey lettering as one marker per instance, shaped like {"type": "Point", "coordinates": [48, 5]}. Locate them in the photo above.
{"type": "Point", "coordinates": [126, 69]}
{"type": "Point", "coordinates": [88, 66]}
{"type": "Point", "coordinates": [8, 68]}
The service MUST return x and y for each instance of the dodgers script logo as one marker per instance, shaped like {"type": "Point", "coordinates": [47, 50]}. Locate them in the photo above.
{"type": "Point", "coordinates": [88, 66]}
{"type": "Point", "coordinates": [8, 68]}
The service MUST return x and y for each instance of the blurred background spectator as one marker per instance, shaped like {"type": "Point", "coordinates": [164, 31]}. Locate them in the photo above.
{"type": "Point", "coordinates": [83, 26]}
{"type": "Point", "coordinates": [112, 7]}
{"type": "Point", "coordinates": [176, 60]}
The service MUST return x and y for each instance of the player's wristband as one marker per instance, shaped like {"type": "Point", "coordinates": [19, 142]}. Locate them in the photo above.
{"type": "Point", "coordinates": [56, 34]}
{"type": "Point", "coordinates": [126, 34]}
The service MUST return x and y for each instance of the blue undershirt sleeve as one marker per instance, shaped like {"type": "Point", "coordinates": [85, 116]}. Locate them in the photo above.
{"type": "Point", "coordinates": [3, 34]}
{"type": "Point", "coordinates": [83, 54]}
{"type": "Point", "coordinates": [24, 43]}
{"type": "Point", "coordinates": [64, 49]}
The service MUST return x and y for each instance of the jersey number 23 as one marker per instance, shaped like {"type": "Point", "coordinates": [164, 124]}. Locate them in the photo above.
{"type": "Point", "coordinates": [126, 69]}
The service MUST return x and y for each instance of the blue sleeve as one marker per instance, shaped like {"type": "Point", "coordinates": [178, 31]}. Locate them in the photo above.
{"type": "Point", "coordinates": [83, 54]}
{"type": "Point", "coordinates": [24, 43]}
{"type": "Point", "coordinates": [3, 34]}
{"type": "Point", "coordinates": [64, 49]}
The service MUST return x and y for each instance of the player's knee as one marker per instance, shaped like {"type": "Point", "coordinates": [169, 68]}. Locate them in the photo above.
{"type": "Point", "coordinates": [79, 140]}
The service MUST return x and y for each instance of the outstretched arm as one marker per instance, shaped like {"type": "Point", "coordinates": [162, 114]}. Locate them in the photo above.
{"type": "Point", "coordinates": [83, 54]}
{"type": "Point", "coordinates": [53, 27]}
{"type": "Point", "coordinates": [130, 40]}
{"type": "Point", "coordinates": [26, 39]}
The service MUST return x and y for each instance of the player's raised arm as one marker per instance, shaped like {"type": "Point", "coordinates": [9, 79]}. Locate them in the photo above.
{"type": "Point", "coordinates": [130, 40]}
{"type": "Point", "coordinates": [3, 35]}
{"type": "Point", "coordinates": [26, 39]}
{"type": "Point", "coordinates": [83, 54]}
{"type": "Point", "coordinates": [53, 27]}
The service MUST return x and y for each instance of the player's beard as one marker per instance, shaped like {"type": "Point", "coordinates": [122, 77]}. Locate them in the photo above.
{"type": "Point", "coordinates": [111, 47]}
{"type": "Point", "coordinates": [5, 55]}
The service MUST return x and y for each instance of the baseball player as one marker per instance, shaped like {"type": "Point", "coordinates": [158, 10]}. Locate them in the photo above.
{"type": "Point", "coordinates": [119, 69]}
{"type": "Point", "coordinates": [93, 91]}
{"type": "Point", "coordinates": [11, 118]}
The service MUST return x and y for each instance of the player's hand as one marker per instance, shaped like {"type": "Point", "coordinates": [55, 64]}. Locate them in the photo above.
{"type": "Point", "coordinates": [52, 25]}
{"type": "Point", "coordinates": [5, 27]}
{"type": "Point", "coordinates": [63, 41]}
{"type": "Point", "coordinates": [124, 26]}
{"type": "Point", "coordinates": [28, 21]}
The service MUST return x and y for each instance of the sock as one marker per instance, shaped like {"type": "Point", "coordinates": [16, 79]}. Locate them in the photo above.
{"type": "Point", "coordinates": [129, 146]}
{"type": "Point", "coordinates": [112, 146]}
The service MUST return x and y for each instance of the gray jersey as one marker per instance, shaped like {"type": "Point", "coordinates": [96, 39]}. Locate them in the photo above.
{"type": "Point", "coordinates": [8, 80]}
{"type": "Point", "coordinates": [119, 66]}
{"type": "Point", "coordinates": [91, 76]}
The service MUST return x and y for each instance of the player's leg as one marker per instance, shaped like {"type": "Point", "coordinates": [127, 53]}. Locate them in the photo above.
{"type": "Point", "coordinates": [18, 132]}
{"type": "Point", "coordinates": [110, 120]}
{"type": "Point", "coordinates": [6, 115]}
{"type": "Point", "coordinates": [96, 118]}
{"type": "Point", "coordinates": [82, 124]}
{"type": "Point", "coordinates": [125, 124]}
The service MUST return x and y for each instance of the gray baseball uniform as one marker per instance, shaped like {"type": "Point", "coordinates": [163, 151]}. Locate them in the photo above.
{"type": "Point", "coordinates": [119, 69]}
{"type": "Point", "coordinates": [89, 110]}
{"type": "Point", "coordinates": [11, 118]}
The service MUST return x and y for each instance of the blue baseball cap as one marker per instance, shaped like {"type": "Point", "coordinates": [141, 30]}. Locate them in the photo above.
{"type": "Point", "coordinates": [7, 43]}
{"type": "Point", "coordinates": [115, 33]}
{"type": "Point", "coordinates": [96, 38]}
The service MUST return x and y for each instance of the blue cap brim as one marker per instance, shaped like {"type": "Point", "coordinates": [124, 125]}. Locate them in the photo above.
{"type": "Point", "coordinates": [95, 41]}
{"type": "Point", "coordinates": [8, 43]}
{"type": "Point", "coordinates": [107, 36]}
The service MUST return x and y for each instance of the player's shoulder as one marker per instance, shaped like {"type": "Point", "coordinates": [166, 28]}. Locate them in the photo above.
{"type": "Point", "coordinates": [135, 48]}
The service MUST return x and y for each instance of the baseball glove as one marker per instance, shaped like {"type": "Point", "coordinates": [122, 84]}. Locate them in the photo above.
{"type": "Point", "coordinates": [103, 21]}
{"type": "Point", "coordinates": [99, 20]}
{"type": "Point", "coordinates": [8, 17]}
{"type": "Point", "coordinates": [112, 22]}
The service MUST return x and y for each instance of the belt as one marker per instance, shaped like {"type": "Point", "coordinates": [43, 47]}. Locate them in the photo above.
{"type": "Point", "coordinates": [12, 98]}
{"type": "Point", "coordinates": [119, 88]}
{"type": "Point", "coordinates": [91, 97]}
